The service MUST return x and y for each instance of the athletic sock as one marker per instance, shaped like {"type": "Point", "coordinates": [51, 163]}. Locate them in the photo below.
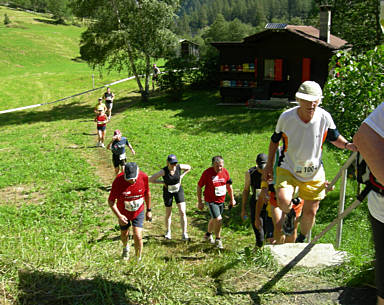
{"type": "Point", "coordinates": [208, 234]}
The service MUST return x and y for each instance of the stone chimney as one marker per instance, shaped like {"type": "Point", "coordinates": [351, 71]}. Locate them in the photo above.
{"type": "Point", "coordinates": [325, 23]}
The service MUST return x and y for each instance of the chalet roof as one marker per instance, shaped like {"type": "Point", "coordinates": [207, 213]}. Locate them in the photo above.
{"type": "Point", "coordinates": [308, 32]}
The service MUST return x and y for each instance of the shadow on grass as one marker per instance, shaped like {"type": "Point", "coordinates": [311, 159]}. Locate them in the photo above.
{"type": "Point", "coordinates": [69, 111]}
{"type": "Point", "coordinates": [341, 295]}
{"type": "Point", "coordinates": [50, 288]}
{"type": "Point", "coordinates": [199, 114]}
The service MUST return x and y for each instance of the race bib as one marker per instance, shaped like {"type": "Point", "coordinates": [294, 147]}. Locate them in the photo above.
{"type": "Point", "coordinates": [133, 205]}
{"type": "Point", "coordinates": [306, 168]}
{"type": "Point", "coordinates": [220, 190]}
{"type": "Point", "coordinates": [174, 188]}
{"type": "Point", "coordinates": [122, 156]}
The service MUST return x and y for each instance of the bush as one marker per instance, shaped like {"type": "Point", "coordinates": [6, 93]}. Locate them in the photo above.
{"type": "Point", "coordinates": [6, 19]}
{"type": "Point", "coordinates": [355, 88]}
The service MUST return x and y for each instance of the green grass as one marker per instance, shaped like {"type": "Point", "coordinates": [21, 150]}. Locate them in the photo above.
{"type": "Point", "coordinates": [59, 240]}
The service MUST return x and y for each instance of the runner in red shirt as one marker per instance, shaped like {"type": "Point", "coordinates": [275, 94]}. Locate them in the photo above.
{"type": "Point", "coordinates": [101, 120]}
{"type": "Point", "coordinates": [130, 189]}
{"type": "Point", "coordinates": [216, 183]}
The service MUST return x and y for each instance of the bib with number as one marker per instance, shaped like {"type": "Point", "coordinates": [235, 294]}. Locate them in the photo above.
{"type": "Point", "coordinates": [133, 205]}
{"type": "Point", "coordinates": [220, 190]}
{"type": "Point", "coordinates": [306, 168]}
{"type": "Point", "coordinates": [174, 188]}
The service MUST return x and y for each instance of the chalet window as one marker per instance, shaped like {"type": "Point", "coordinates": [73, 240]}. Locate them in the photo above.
{"type": "Point", "coordinates": [273, 69]}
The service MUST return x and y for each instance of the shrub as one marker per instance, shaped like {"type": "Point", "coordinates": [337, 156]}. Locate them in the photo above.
{"type": "Point", "coordinates": [6, 19]}
{"type": "Point", "coordinates": [355, 88]}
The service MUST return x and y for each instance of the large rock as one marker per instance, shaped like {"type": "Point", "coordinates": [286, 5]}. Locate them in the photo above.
{"type": "Point", "coordinates": [319, 255]}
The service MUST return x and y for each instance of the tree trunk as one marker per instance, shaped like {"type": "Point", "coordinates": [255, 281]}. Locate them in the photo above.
{"type": "Point", "coordinates": [130, 52]}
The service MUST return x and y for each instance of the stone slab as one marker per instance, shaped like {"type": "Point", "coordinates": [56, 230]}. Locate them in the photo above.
{"type": "Point", "coordinates": [321, 255]}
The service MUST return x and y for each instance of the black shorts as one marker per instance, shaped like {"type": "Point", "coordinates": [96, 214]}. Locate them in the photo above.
{"type": "Point", "coordinates": [168, 197]}
{"type": "Point", "coordinates": [215, 209]}
{"type": "Point", "coordinates": [116, 160]}
{"type": "Point", "coordinates": [108, 105]}
{"type": "Point", "coordinates": [137, 222]}
{"type": "Point", "coordinates": [102, 128]}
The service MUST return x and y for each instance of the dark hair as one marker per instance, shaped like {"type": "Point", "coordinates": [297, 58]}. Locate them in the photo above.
{"type": "Point", "coordinates": [217, 159]}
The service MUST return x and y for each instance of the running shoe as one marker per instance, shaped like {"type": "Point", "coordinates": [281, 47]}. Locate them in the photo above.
{"type": "Point", "coordinates": [185, 237]}
{"type": "Point", "coordinates": [209, 239]}
{"type": "Point", "coordinates": [125, 255]}
{"type": "Point", "coordinates": [102, 145]}
{"type": "Point", "coordinates": [168, 235]}
{"type": "Point", "coordinates": [219, 244]}
{"type": "Point", "coordinates": [289, 223]}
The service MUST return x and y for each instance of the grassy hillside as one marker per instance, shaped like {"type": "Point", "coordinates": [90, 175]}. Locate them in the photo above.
{"type": "Point", "coordinates": [39, 61]}
{"type": "Point", "coordinates": [59, 240]}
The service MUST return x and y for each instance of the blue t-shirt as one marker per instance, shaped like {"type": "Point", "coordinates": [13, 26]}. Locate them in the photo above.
{"type": "Point", "coordinates": [118, 147]}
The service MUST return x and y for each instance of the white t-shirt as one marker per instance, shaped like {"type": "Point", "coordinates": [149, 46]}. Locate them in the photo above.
{"type": "Point", "coordinates": [303, 143]}
{"type": "Point", "coordinates": [375, 201]}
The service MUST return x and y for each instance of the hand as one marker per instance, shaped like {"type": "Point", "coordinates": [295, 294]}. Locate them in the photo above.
{"type": "Point", "coordinates": [148, 216]}
{"type": "Point", "coordinates": [267, 173]}
{"type": "Point", "coordinates": [328, 187]}
{"type": "Point", "coordinates": [351, 147]}
{"type": "Point", "coordinates": [200, 206]}
{"type": "Point", "coordinates": [257, 223]}
{"type": "Point", "coordinates": [123, 219]}
{"type": "Point", "coordinates": [232, 203]}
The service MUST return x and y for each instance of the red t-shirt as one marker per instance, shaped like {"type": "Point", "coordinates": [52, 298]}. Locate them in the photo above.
{"type": "Point", "coordinates": [101, 120]}
{"type": "Point", "coordinates": [130, 197]}
{"type": "Point", "coordinates": [215, 184]}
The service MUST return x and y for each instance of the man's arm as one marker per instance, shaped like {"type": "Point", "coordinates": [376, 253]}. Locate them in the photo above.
{"type": "Point", "coordinates": [342, 143]}
{"type": "Point", "coordinates": [232, 201]}
{"type": "Point", "coordinates": [245, 195]}
{"type": "Point", "coordinates": [268, 170]}
{"type": "Point", "coordinates": [371, 146]}
{"type": "Point", "coordinates": [200, 203]}
{"type": "Point", "coordinates": [259, 206]}
{"type": "Point", "coordinates": [116, 211]}
{"type": "Point", "coordinates": [148, 213]}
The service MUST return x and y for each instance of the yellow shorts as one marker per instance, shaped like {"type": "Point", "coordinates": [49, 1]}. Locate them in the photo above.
{"type": "Point", "coordinates": [310, 190]}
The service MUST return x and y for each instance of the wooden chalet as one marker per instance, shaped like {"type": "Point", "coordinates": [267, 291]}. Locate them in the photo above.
{"type": "Point", "coordinates": [273, 63]}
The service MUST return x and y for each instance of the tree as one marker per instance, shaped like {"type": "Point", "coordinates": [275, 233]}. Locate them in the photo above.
{"type": "Point", "coordinates": [127, 34]}
{"type": "Point", "coordinates": [357, 22]}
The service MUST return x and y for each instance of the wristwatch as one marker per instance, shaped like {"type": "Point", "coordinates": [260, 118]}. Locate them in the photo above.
{"type": "Point", "coordinates": [149, 210]}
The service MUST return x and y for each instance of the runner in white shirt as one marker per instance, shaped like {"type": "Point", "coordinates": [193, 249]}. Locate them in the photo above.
{"type": "Point", "coordinates": [303, 130]}
{"type": "Point", "coordinates": [369, 140]}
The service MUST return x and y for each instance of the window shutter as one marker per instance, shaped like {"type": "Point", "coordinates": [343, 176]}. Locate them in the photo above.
{"type": "Point", "coordinates": [306, 69]}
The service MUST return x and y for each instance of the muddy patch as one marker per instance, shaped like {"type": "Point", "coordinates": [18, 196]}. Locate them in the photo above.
{"type": "Point", "coordinates": [21, 194]}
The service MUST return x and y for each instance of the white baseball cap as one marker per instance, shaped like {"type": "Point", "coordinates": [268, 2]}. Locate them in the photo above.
{"type": "Point", "coordinates": [309, 91]}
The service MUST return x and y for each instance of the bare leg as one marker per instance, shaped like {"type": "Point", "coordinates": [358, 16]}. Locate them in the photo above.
{"type": "Point", "coordinates": [284, 197]}
{"type": "Point", "coordinates": [138, 239]}
{"type": "Point", "coordinates": [168, 218]}
{"type": "Point", "coordinates": [183, 217]}
{"type": "Point", "coordinates": [309, 214]}
{"type": "Point", "coordinates": [217, 226]}
{"type": "Point", "coordinates": [277, 218]}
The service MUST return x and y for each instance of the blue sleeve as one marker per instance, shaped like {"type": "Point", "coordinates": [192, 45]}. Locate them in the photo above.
{"type": "Point", "coordinates": [332, 134]}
